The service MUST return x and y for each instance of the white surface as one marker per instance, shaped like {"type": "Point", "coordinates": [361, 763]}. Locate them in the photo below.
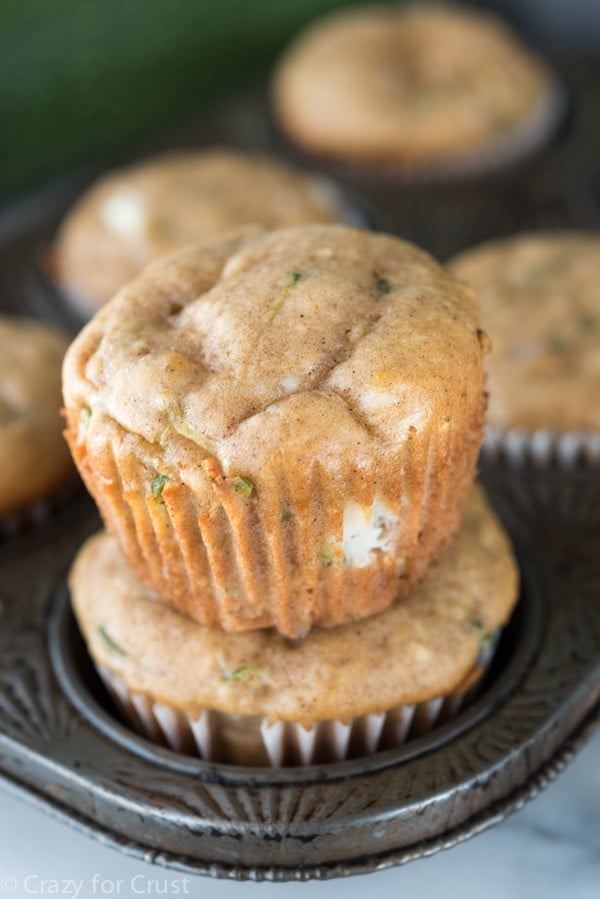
{"type": "Point", "coordinates": [551, 850]}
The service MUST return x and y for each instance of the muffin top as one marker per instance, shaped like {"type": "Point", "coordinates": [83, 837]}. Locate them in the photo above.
{"type": "Point", "coordinates": [33, 455]}
{"type": "Point", "coordinates": [267, 354]}
{"type": "Point", "coordinates": [421, 647]}
{"type": "Point", "coordinates": [133, 216]}
{"type": "Point", "coordinates": [412, 85]}
{"type": "Point", "coordinates": [540, 301]}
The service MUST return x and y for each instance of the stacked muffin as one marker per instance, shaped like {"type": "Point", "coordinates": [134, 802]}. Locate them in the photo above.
{"type": "Point", "coordinates": [281, 430]}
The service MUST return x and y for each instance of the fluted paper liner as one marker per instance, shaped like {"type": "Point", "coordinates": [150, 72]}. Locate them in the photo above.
{"type": "Point", "coordinates": [542, 449]}
{"type": "Point", "coordinates": [233, 568]}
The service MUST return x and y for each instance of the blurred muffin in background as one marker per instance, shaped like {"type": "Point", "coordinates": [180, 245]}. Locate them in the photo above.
{"type": "Point", "coordinates": [34, 459]}
{"type": "Point", "coordinates": [135, 215]}
{"type": "Point", "coordinates": [540, 304]}
{"type": "Point", "coordinates": [414, 90]}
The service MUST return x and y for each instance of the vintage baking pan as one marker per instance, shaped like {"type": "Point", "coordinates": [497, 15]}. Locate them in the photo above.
{"type": "Point", "coordinates": [62, 746]}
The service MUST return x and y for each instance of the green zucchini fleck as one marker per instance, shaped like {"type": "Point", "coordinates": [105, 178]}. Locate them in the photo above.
{"type": "Point", "coordinates": [110, 642]}
{"type": "Point", "coordinates": [158, 485]}
{"type": "Point", "coordinates": [240, 675]}
{"type": "Point", "coordinates": [326, 556]}
{"type": "Point", "coordinates": [243, 486]}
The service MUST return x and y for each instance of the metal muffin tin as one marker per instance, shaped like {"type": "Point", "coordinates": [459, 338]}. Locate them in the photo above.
{"type": "Point", "coordinates": [62, 746]}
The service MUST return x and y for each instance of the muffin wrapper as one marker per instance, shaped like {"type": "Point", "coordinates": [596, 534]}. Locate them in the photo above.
{"type": "Point", "coordinates": [286, 743]}
{"type": "Point", "coordinates": [237, 567]}
{"type": "Point", "coordinates": [544, 449]}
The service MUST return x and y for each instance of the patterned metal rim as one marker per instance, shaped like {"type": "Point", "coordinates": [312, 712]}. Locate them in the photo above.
{"type": "Point", "coordinates": [479, 823]}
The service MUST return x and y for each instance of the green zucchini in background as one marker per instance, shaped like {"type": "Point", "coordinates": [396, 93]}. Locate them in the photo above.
{"type": "Point", "coordinates": [83, 78]}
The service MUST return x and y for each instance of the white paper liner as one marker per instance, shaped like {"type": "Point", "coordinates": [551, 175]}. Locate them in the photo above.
{"type": "Point", "coordinates": [544, 448]}
{"type": "Point", "coordinates": [252, 740]}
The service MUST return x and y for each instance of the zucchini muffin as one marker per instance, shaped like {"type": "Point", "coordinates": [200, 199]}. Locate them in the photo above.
{"type": "Point", "coordinates": [540, 300]}
{"type": "Point", "coordinates": [258, 698]}
{"type": "Point", "coordinates": [136, 215]}
{"type": "Point", "coordinates": [418, 89]}
{"type": "Point", "coordinates": [34, 461]}
{"type": "Point", "coordinates": [281, 428]}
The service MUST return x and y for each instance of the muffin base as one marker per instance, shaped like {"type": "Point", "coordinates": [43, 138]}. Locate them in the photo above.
{"type": "Point", "coordinates": [254, 740]}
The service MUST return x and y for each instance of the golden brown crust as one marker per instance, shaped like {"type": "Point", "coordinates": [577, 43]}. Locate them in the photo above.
{"type": "Point", "coordinates": [135, 215]}
{"type": "Point", "coordinates": [34, 460]}
{"type": "Point", "coordinates": [420, 648]}
{"type": "Point", "coordinates": [541, 307]}
{"type": "Point", "coordinates": [313, 397]}
{"type": "Point", "coordinates": [416, 85]}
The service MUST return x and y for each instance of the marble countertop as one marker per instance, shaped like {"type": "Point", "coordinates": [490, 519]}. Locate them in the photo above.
{"type": "Point", "coordinates": [550, 850]}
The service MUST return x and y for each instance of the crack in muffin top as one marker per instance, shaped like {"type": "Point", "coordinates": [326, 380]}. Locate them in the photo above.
{"type": "Point", "coordinates": [263, 322]}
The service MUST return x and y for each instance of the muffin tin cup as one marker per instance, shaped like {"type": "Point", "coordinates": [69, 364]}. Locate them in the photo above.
{"type": "Point", "coordinates": [38, 512]}
{"type": "Point", "coordinates": [550, 475]}
{"type": "Point", "coordinates": [45, 294]}
{"type": "Point", "coordinates": [221, 737]}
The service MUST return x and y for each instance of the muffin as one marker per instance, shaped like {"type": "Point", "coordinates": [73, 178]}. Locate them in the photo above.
{"type": "Point", "coordinates": [541, 306]}
{"type": "Point", "coordinates": [258, 698]}
{"type": "Point", "coordinates": [281, 428]}
{"type": "Point", "coordinates": [416, 89]}
{"type": "Point", "coordinates": [34, 462]}
{"type": "Point", "coordinates": [136, 215]}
